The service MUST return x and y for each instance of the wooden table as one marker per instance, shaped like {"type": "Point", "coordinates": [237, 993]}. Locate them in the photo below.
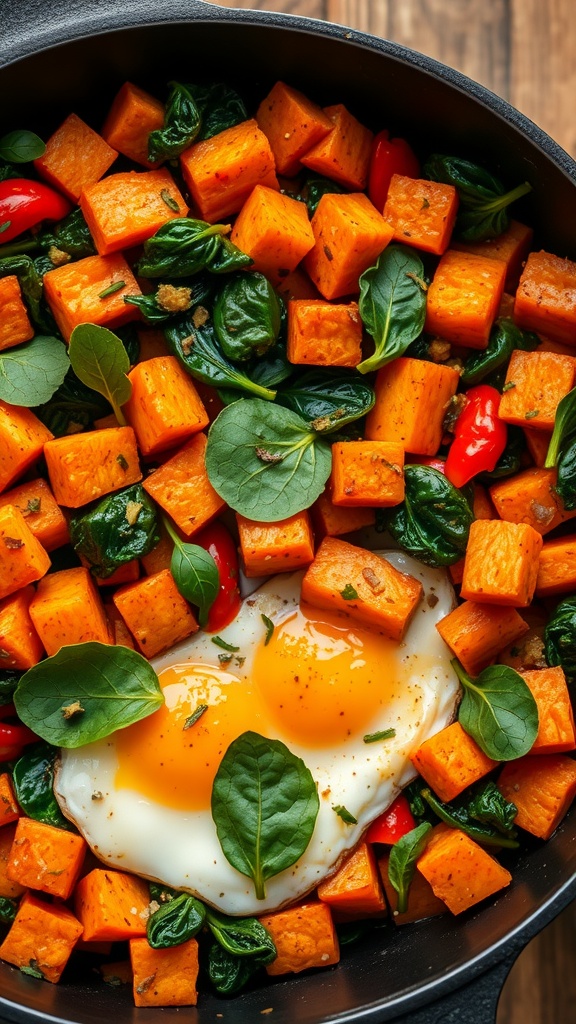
{"type": "Point", "coordinates": [524, 50]}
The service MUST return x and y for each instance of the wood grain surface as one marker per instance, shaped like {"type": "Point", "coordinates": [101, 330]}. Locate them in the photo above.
{"type": "Point", "coordinates": [525, 51]}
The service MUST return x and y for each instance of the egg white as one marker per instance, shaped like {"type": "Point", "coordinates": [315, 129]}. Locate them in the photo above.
{"type": "Point", "coordinates": [131, 832]}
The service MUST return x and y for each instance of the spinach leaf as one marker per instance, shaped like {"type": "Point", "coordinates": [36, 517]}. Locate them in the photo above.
{"type": "Point", "coordinates": [8, 909]}
{"type": "Point", "coordinates": [85, 692]}
{"type": "Point", "coordinates": [229, 974]}
{"type": "Point", "coordinates": [100, 361]}
{"type": "Point", "coordinates": [511, 460]}
{"type": "Point", "coordinates": [566, 479]}
{"type": "Point", "coordinates": [31, 373]}
{"type": "Point", "coordinates": [459, 816]}
{"type": "Point", "coordinates": [194, 344]}
{"type": "Point", "coordinates": [31, 285]}
{"type": "Point", "coordinates": [265, 461]}
{"type": "Point", "coordinates": [433, 521]}
{"type": "Point", "coordinates": [392, 304]}
{"type": "Point", "coordinates": [505, 336]}
{"type": "Point", "coordinates": [564, 428]}
{"type": "Point", "coordinates": [175, 921]}
{"type": "Point", "coordinates": [241, 936]}
{"type": "Point", "coordinates": [33, 778]}
{"type": "Point", "coordinates": [21, 147]}
{"type": "Point", "coordinates": [220, 107]}
{"type": "Point", "coordinates": [72, 408]}
{"type": "Point", "coordinates": [264, 806]}
{"type": "Point", "coordinates": [327, 399]}
{"type": "Point", "coordinates": [195, 574]}
{"type": "Point", "coordinates": [180, 128]}
{"type": "Point", "coordinates": [419, 808]}
{"type": "Point", "coordinates": [316, 187]}
{"type": "Point", "coordinates": [184, 246]}
{"type": "Point", "coordinates": [171, 300]}
{"type": "Point", "coordinates": [488, 805]}
{"type": "Point", "coordinates": [121, 527]}
{"type": "Point", "coordinates": [402, 863]}
{"type": "Point", "coordinates": [71, 236]}
{"type": "Point", "coordinates": [246, 316]}
{"type": "Point", "coordinates": [560, 637]}
{"type": "Point", "coordinates": [9, 679]}
{"type": "Point", "coordinates": [498, 711]}
{"type": "Point", "coordinates": [483, 209]}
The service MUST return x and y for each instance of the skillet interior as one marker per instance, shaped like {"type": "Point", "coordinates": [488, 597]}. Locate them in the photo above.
{"type": "Point", "coordinates": [383, 85]}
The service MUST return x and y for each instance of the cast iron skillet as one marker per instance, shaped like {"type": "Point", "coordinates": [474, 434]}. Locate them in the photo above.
{"type": "Point", "coordinates": [73, 55]}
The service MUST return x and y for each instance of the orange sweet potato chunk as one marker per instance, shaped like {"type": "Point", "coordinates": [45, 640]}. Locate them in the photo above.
{"type": "Point", "coordinates": [450, 761]}
{"type": "Point", "coordinates": [355, 889]}
{"type": "Point", "coordinates": [546, 297]}
{"type": "Point", "coordinates": [42, 513]}
{"type": "Point", "coordinates": [501, 563]}
{"type": "Point", "coordinates": [292, 124]}
{"type": "Point", "coordinates": [530, 497]}
{"type": "Point", "coordinates": [7, 887]}
{"type": "Point", "coordinates": [367, 473]}
{"type": "Point", "coordinates": [460, 871]}
{"type": "Point", "coordinates": [67, 609]}
{"type": "Point", "coordinates": [344, 154]}
{"type": "Point", "coordinates": [324, 333]}
{"type": "Point", "coordinates": [75, 157]}
{"type": "Point", "coordinates": [155, 612]}
{"type": "Point", "coordinates": [476, 633]}
{"type": "Point", "coordinates": [125, 209]}
{"type": "Point", "coordinates": [304, 937]}
{"type": "Point", "coordinates": [464, 297]}
{"type": "Point", "coordinates": [76, 295]}
{"type": "Point", "coordinates": [274, 230]}
{"type": "Point", "coordinates": [86, 466]}
{"type": "Point", "coordinates": [557, 567]}
{"type": "Point", "coordinates": [511, 248]}
{"type": "Point", "coordinates": [164, 408]}
{"type": "Point", "coordinates": [22, 558]}
{"type": "Point", "coordinates": [535, 383]}
{"type": "Point", "coordinates": [411, 400]}
{"type": "Point", "coordinates": [20, 645]}
{"type": "Point", "coordinates": [182, 488]}
{"type": "Point", "coordinates": [15, 326]}
{"type": "Point", "coordinates": [46, 858]}
{"type": "Point", "coordinates": [386, 599]}
{"type": "Point", "coordinates": [421, 212]}
{"type": "Point", "coordinates": [283, 546]}
{"type": "Point", "coordinates": [333, 520]}
{"type": "Point", "coordinates": [42, 936]}
{"type": "Point", "coordinates": [111, 905]}
{"type": "Point", "coordinates": [22, 439]}
{"type": "Point", "coordinates": [164, 977]}
{"type": "Point", "coordinates": [9, 809]}
{"type": "Point", "coordinates": [556, 719]}
{"type": "Point", "coordinates": [542, 787]}
{"type": "Point", "coordinates": [422, 902]}
{"type": "Point", "coordinates": [133, 115]}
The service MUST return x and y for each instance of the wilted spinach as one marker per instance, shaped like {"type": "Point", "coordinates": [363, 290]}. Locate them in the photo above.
{"type": "Point", "coordinates": [9, 679]}
{"type": "Point", "coordinates": [562, 450]}
{"type": "Point", "coordinates": [460, 815]}
{"type": "Point", "coordinates": [71, 236]}
{"type": "Point", "coordinates": [8, 909]}
{"type": "Point", "coordinates": [160, 306]}
{"type": "Point", "coordinates": [175, 921]}
{"type": "Point", "coordinates": [120, 527]}
{"type": "Point", "coordinates": [31, 373]}
{"type": "Point", "coordinates": [33, 778]}
{"type": "Point", "coordinates": [180, 128]}
{"type": "Point", "coordinates": [73, 407]}
{"type": "Point", "coordinates": [246, 316]}
{"type": "Point", "coordinates": [392, 304]}
{"type": "Point", "coordinates": [315, 188]}
{"type": "Point", "coordinates": [31, 285]}
{"type": "Point", "coordinates": [230, 974]}
{"type": "Point", "coordinates": [504, 338]}
{"type": "Point", "coordinates": [184, 246]}
{"type": "Point", "coordinates": [433, 521]}
{"type": "Point", "coordinates": [328, 399]}
{"type": "Point", "coordinates": [483, 200]}
{"type": "Point", "coordinates": [560, 637]}
{"type": "Point", "coordinates": [498, 711]}
{"type": "Point", "coordinates": [241, 936]}
{"type": "Point", "coordinates": [220, 107]}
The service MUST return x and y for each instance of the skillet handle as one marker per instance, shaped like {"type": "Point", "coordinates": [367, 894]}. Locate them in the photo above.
{"type": "Point", "coordinates": [473, 1003]}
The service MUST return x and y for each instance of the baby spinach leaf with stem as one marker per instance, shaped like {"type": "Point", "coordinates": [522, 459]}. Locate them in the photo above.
{"type": "Point", "coordinates": [21, 147]}
{"type": "Point", "coordinates": [459, 815]}
{"type": "Point", "coordinates": [560, 637]}
{"type": "Point", "coordinates": [265, 461]}
{"type": "Point", "coordinates": [505, 336]}
{"type": "Point", "coordinates": [247, 316]}
{"type": "Point", "coordinates": [175, 921]}
{"type": "Point", "coordinates": [241, 936]}
{"type": "Point", "coordinates": [264, 805]}
{"type": "Point", "coordinates": [498, 711]}
{"type": "Point", "coordinates": [433, 521]}
{"type": "Point", "coordinates": [31, 373]}
{"type": "Point", "coordinates": [195, 573]}
{"type": "Point", "coordinates": [392, 304]}
{"type": "Point", "coordinates": [483, 199]}
{"type": "Point", "coordinates": [85, 692]}
{"type": "Point", "coordinates": [120, 527]}
{"type": "Point", "coordinates": [99, 360]}
{"type": "Point", "coordinates": [180, 128]}
{"type": "Point", "coordinates": [33, 778]}
{"type": "Point", "coordinates": [185, 246]}
{"type": "Point", "coordinates": [328, 400]}
{"type": "Point", "coordinates": [402, 862]}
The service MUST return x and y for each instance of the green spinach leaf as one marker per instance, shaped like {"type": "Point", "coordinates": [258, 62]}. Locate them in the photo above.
{"type": "Point", "coordinates": [511, 460]}
{"type": "Point", "coordinates": [31, 373]}
{"type": "Point", "coordinates": [327, 400]}
{"type": "Point", "coordinates": [402, 863]}
{"type": "Point", "coordinates": [32, 290]}
{"type": "Point", "coordinates": [229, 974]}
{"type": "Point", "coordinates": [560, 637]}
{"type": "Point", "coordinates": [488, 805]}
{"type": "Point", "coordinates": [180, 128]}
{"type": "Point", "coordinates": [566, 478]}
{"type": "Point", "coordinates": [265, 461]}
{"type": "Point", "coordinates": [241, 936]}
{"type": "Point", "coordinates": [8, 909]}
{"type": "Point", "coordinates": [246, 316]}
{"type": "Point", "coordinates": [315, 188]}
{"type": "Point", "coordinates": [220, 107]}
{"type": "Point", "coordinates": [505, 336]}
{"type": "Point", "coordinates": [564, 428]}
{"type": "Point", "coordinates": [185, 246]}
{"type": "Point", "coordinates": [100, 360]}
{"type": "Point", "coordinates": [498, 711]}
{"type": "Point", "coordinates": [433, 521]}
{"type": "Point", "coordinates": [33, 778]}
{"type": "Point", "coordinates": [21, 147]}
{"type": "Point", "coordinates": [159, 306]}
{"type": "Point", "coordinates": [484, 202]}
{"type": "Point", "coordinates": [85, 692]}
{"type": "Point", "coordinates": [121, 527]}
{"type": "Point", "coordinates": [392, 304]}
{"type": "Point", "coordinates": [9, 679]}
{"type": "Point", "coordinates": [71, 236]}
{"type": "Point", "coordinates": [264, 806]}
{"type": "Point", "coordinates": [72, 408]}
{"type": "Point", "coordinates": [458, 815]}
{"type": "Point", "coordinates": [195, 574]}
{"type": "Point", "coordinates": [175, 921]}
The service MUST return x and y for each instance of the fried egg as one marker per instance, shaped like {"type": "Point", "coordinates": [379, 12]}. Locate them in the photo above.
{"type": "Point", "coordinates": [318, 682]}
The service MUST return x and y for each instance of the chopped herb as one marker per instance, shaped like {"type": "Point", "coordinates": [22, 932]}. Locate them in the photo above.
{"type": "Point", "coordinates": [531, 414]}
{"type": "Point", "coordinates": [222, 643]}
{"type": "Point", "coordinates": [375, 737]}
{"type": "Point", "coordinates": [193, 718]}
{"type": "Point", "coordinates": [224, 659]}
{"type": "Point", "coordinates": [425, 204]}
{"type": "Point", "coordinates": [349, 593]}
{"type": "Point", "coordinates": [33, 506]}
{"type": "Point", "coordinates": [112, 289]}
{"type": "Point", "coordinates": [122, 461]}
{"type": "Point", "coordinates": [269, 628]}
{"type": "Point", "coordinates": [5, 225]}
{"type": "Point", "coordinates": [343, 813]}
{"type": "Point", "coordinates": [32, 969]}
{"type": "Point", "coordinates": [508, 387]}
{"type": "Point", "coordinates": [169, 200]}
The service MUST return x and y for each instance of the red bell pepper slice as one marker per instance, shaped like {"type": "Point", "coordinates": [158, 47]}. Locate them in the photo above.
{"type": "Point", "coordinates": [396, 822]}
{"type": "Point", "coordinates": [218, 542]}
{"type": "Point", "coordinates": [480, 436]}
{"type": "Point", "coordinates": [388, 157]}
{"type": "Point", "coordinates": [25, 203]}
{"type": "Point", "coordinates": [13, 735]}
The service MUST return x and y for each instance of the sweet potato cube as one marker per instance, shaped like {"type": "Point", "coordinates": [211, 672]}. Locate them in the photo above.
{"type": "Point", "coordinates": [557, 567]}
{"type": "Point", "coordinates": [546, 297]}
{"type": "Point", "coordinates": [367, 473]}
{"type": "Point", "coordinates": [22, 439]}
{"type": "Point", "coordinates": [344, 154]}
{"type": "Point", "coordinates": [501, 563]}
{"type": "Point", "coordinates": [411, 400]}
{"type": "Point", "coordinates": [511, 248]}
{"type": "Point", "coordinates": [75, 157]}
{"type": "Point", "coordinates": [537, 382]}
{"type": "Point", "coordinates": [350, 235]}
{"type": "Point", "coordinates": [292, 124]}
{"type": "Point", "coordinates": [324, 333]}
{"type": "Point", "coordinates": [542, 787]}
{"type": "Point", "coordinates": [125, 209]}
{"type": "Point", "coordinates": [460, 871]}
{"type": "Point", "coordinates": [133, 115]}
{"type": "Point", "coordinates": [450, 761]}
{"type": "Point", "coordinates": [530, 497]}
{"type": "Point", "coordinates": [160, 556]}
{"type": "Point", "coordinates": [355, 889]}
{"type": "Point", "coordinates": [15, 326]}
{"type": "Point", "coordinates": [164, 977]}
{"type": "Point", "coordinates": [283, 546]}
{"type": "Point", "coordinates": [421, 212]}
{"type": "Point", "coordinates": [111, 905]}
{"type": "Point", "coordinates": [556, 733]}
{"type": "Point", "coordinates": [274, 230]}
{"type": "Point", "coordinates": [42, 936]}
{"type": "Point", "coordinates": [333, 520]}
{"type": "Point", "coordinates": [86, 466]}
{"type": "Point", "coordinates": [164, 408]}
{"type": "Point", "coordinates": [7, 887]}
{"type": "Point", "coordinates": [67, 609]}
{"type": "Point", "coordinates": [42, 513]}
{"type": "Point", "coordinates": [9, 809]}
{"type": "Point", "coordinates": [421, 903]}
{"type": "Point", "coordinates": [20, 645]}
{"type": "Point", "coordinates": [463, 298]}
{"type": "Point", "coordinates": [182, 488]}
{"type": "Point", "coordinates": [364, 586]}
{"type": "Point", "coordinates": [304, 937]}
{"type": "Point", "coordinates": [22, 558]}
{"type": "Point", "coordinates": [155, 612]}
{"type": "Point", "coordinates": [476, 633]}
{"type": "Point", "coordinates": [46, 858]}
{"type": "Point", "coordinates": [77, 293]}
{"type": "Point", "coordinates": [537, 443]}
{"type": "Point", "coordinates": [222, 171]}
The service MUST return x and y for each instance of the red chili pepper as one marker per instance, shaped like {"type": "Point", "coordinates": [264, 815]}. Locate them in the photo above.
{"type": "Point", "coordinates": [479, 436]}
{"type": "Point", "coordinates": [388, 157]}
{"type": "Point", "coordinates": [24, 203]}
{"type": "Point", "coordinates": [396, 822]}
{"type": "Point", "coordinates": [218, 542]}
{"type": "Point", "coordinates": [13, 735]}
